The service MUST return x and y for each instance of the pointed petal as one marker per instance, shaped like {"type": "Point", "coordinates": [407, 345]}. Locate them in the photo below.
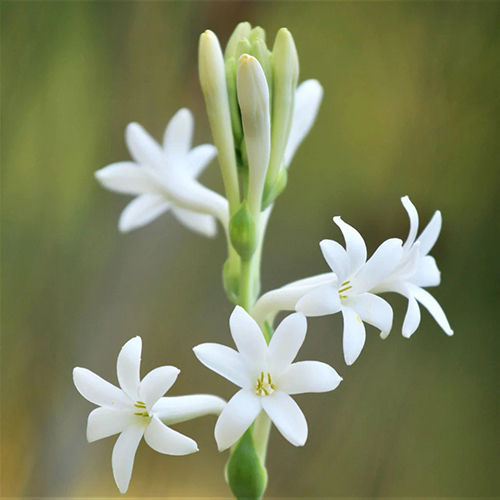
{"type": "Point", "coordinates": [178, 136]}
{"type": "Point", "coordinates": [96, 390]}
{"type": "Point", "coordinates": [237, 416]}
{"type": "Point", "coordinates": [432, 305]}
{"type": "Point", "coordinates": [336, 257]}
{"type": "Point", "coordinates": [379, 266]}
{"type": "Point", "coordinates": [430, 234]}
{"type": "Point", "coordinates": [141, 211]}
{"type": "Point", "coordinates": [128, 367]}
{"type": "Point", "coordinates": [103, 422]}
{"type": "Point", "coordinates": [373, 310]}
{"type": "Point", "coordinates": [312, 281]}
{"type": "Point", "coordinates": [354, 335]}
{"type": "Point", "coordinates": [201, 223]}
{"type": "Point", "coordinates": [427, 272]}
{"type": "Point", "coordinates": [309, 376]}
{"type": "Point", "coordinates": [175, 409]}
{"type": "Point", "coordinates": [355, 244]}
{"type": "Point", "coordinates": [156, 383]}
{"type": "Point", "coordinates": [320, 301]}
{"type": "Point", "coordinates": [128, 178]}
{"type": "Point", "coordinates": [286, 342]}
{"type": "Point", "coordinates": [165, 440]}
{"type": "Point", "coordinates": [413, 215]}
{"type": "Point", "coordinates": [143, 148]}
{"type": "Point", "coordinates": [412, 318]}
{"type": "Point", "coordinates": [198, 158]}
{"type": "Point", "coordinates": [248, 337]}
{"type": "Point", "coordinates": [286, 416]}
{"type": "Point", "coordinates": [307, 101]}
{"type": "Point", "coordinates": [224, 361]}
{"type": "Point", "coordinates": [123, 455]}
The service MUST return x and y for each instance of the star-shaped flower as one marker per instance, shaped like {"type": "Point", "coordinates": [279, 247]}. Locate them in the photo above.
{"type": "Point", "coordinates": [267, 377]}
{"type": "Point", "coordinates": [137, 409]}
{"type": "Point", "coordinates": [164, 178]}
{"type": "Point", "coordinates": [417, 270]}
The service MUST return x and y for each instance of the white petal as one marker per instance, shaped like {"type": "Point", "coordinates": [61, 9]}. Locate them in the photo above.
{"type": "Point", "coordinates": [286, 342]}
{"type": "Point", "coordinates": [355, 244]}
{"type": "Point", "coordinates": [379, 266]}
{"type": "Point", "coordinates": [141, 211]}
{"type": "Point", "coordinates": [312, 281]}
{"type": "Point", "coordinates": [354, 335]}
{"type": "Point", "coordinates": [128, 178]}
{"type": "Point", "coordinates": [123, 455]}
{"type": "Point", "coordinates": [223, 360]}
{"type": "Point", "coordinates": [307, 100]}
{"type": "Point", "coordinates": [432, 305]}
{"type": "Point", "coordinates": [286, 416]}
{"type": "Point", "coordinates": [163, 439]}
{"type": "Point", "coordinates": [373, 310]}
{"type": "Point", "coordinates": [156, 383]}
{"type": "Point", "coordinates": [201, 223]}
{"type": "Point", "coordinates": [175, 409]}
{"type": "Point", "coordinates": [248, 337]}
{"type": "Point", "coordinates": [178, 135]}
{"type": "Point", "coordinates": [309, 376]}
{"type": "Point", "coordinates": [412, 318]}
{"type": "Point", "coordinates": [199, 157]}
{"type": "Point", "coordinates": [128, 367]}
{"type": "Point", "coordinates": [430, 234]}
{"type": "Point", "coordinates": [143, 148]}
{"type": "Point", "coordinates": [427, 272]}
{"type": "Point", "coordinates": [413, 216]}
{"type": "Point", "coordinates": [103, 422]}
{"type": "Point", "coordinates": [236, 418]}
{"type": "Point", "coordinates": [320, 301]}
{"type": "Point", "coordinates": [336, 257]}
{"type": "Point", "coordinates": [96, 390]}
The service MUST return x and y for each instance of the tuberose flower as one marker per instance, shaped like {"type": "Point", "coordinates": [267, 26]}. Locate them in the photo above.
{"type": "Point", "coordinates": [417, 270]}
{"type": "Point", "coordinates": [267, 377]}
{"type": "Point", "coordinates": [137, 409]}
{"type": "Point", "coordinates": [164, 178]}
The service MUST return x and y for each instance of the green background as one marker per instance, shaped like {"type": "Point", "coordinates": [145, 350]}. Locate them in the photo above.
{"type": "Point", "coordinates": [411, 107]}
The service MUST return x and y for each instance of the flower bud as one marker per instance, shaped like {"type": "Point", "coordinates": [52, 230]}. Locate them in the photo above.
{"type": "Point", "coordinates": [231, 70]}
{"type": "Point", "coordinates": [242, 232]}
{"type": "Point", "coordinates": [241, 31]}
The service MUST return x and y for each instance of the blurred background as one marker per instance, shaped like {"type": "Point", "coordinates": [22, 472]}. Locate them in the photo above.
{"type": "Point", "coordinates": [411, 107]}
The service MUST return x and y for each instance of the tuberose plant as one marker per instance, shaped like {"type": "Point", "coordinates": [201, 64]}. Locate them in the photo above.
{"type": "Point", "coordinates": [259, 114]}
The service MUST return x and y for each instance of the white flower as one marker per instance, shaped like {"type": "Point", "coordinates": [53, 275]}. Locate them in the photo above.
{"type": "Point", "coordinates": [137, 409]}
{"type": "Point", "coordinates": [267, 377]}
{"type": "Point", "coordinates": [417, 270]}
{"type": "Point", "coordinates": [164, 177]}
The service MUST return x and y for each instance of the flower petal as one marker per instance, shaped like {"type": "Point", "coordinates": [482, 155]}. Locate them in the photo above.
{"type": "Point", "coordinates": [141, 211]}
{"type": "Point", "coordinates": [175, 409]}
{"type": "Point", "coordinates": [178, 136]}
{"type": "Point", "coordinates": [236, 418]}
{"type": "Point", "coordinates": [223, 360]}
{"type": "Point", "coordinates": [128, 178]}
{"type": "Point", "coordinates": [373, 310]}
{"type": "Point", "coordinates": [198, 158]}
{"type": "Point", "coordinates": [143, 148]}
{"type": "Point", "coordinates": [201, 223]}
{"type": "Point", "coordinates": [430, 234]}
{"type": "Point", "coordinates": [96, 390]}
{"type": "Point", "coordinates": [286, 342]}
{"type": "Point", "coordinates": [413, 215]}
{"type": "Point", "coordinates": [336, 257]}
{"type": "Point", "coordinates": [379, 266]}
{"type": "Point", "coordinates": [248, 337]}
{"type": "Point", "coordinates": [432, 305]}
{"type": "Point", "coordinates": [307, 100]}
{"type": "Point", "coordinates": [309, 376]}
{"type": "Point", "coordinates": [103, 422]}
{"type": "Point", "coordinates": [320, 301]}
{"type": "Point", "coordinates": [163, 439]}
{"type": "Point", "coordinates": [354, 335]}
{"type": "Point", "coordinates": [427, 272]}
{"type": "Point", "coordinates": [286, 416]}
{"type": "Point", "coordinates": [156, 383]}
{"type": "Point", "coordinates": [123, 455]}
{"type": "Point", "coordinates": [355, 244]}
{"type": "Point", "coordinates": [412, 318]}
{"type": "Point", "coordinates": [128, 367]}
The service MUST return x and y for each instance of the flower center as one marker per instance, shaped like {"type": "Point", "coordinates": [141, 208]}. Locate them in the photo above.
{"type": "Point", "coordinates": [141, 409]}
{"type": "Point", "coordinates": [343, 288]}
{"type": "Point", "coordinates": [264, 385]}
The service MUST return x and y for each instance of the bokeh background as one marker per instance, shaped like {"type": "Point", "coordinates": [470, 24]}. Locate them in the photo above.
{"type": "Point", "coordinates": [411, 107]}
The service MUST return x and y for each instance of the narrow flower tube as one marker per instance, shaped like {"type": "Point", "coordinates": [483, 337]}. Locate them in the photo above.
{"type": "Point", "coordinates": [253, 98]}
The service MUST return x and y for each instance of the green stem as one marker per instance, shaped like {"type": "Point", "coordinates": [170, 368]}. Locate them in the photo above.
{"type": "Point", "coordinates": [246, 284]}
{"type": "Point", "coordinates": [261, 430]}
